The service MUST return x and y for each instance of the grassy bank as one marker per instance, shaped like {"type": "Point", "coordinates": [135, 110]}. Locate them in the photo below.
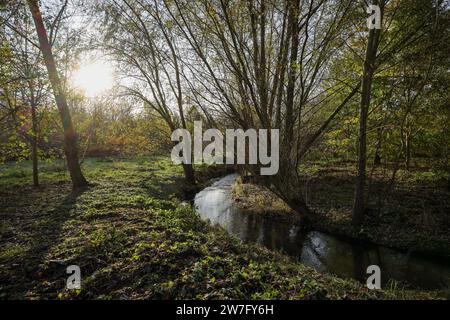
{"type": "Point", "coordinates": [134, 239]}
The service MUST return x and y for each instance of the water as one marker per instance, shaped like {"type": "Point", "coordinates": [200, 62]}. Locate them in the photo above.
{"type": "Point", "coordinates": [325, 253]}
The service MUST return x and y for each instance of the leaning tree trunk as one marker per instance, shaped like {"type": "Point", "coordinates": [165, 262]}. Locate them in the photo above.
{"type": "Point", "coordinates": [359, 205]}
{"type": "Point", "coordinates": [70, 139]}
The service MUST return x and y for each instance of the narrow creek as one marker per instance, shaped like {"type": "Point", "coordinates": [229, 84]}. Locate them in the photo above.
{"type": "Point", "coordinates": [324, 252]}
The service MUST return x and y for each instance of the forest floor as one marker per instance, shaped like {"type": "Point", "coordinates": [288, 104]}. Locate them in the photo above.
{"type": "Point", "coordinates": [414, 214]}
{"type": "Point", "coordinates": [134, 238]}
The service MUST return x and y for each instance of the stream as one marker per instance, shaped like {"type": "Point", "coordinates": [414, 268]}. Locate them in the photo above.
{"type": "Point", "coordinates": [326, 253]}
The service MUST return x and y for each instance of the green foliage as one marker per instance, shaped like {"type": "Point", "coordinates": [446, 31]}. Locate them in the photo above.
{"type": "Point", "coordinates": [132, 242]}
{"type": "Point", "coordinates": [409, 105]}
{"type": "Point", "coordinates": [429, 176]}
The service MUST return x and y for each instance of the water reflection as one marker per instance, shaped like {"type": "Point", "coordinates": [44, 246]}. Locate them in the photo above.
{"type": "Point", "coordinates": [325, 253]}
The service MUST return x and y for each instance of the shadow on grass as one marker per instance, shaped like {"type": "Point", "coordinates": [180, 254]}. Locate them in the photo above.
{"type": "Point", "coordinates": [42, 230]}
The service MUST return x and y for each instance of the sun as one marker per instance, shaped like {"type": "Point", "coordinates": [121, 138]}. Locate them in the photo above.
{"type": "Point", "coordinates": [93, 78]}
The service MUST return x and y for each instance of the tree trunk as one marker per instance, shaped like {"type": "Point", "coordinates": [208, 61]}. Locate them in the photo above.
{"type": "Point", "coordinates": [187, 168]}
{"type": "Point", "coordinates": [290, 90]}
{"type": "Point", "coordinates": [70, 139]}
{"type": "Point", "coordinates": [34, 156]}
{"type": "Point", "coordinates": [359, 205]}
{"type": "Point", "coordinates": [377, 158]}
{"type": "Point", "coordinates": [189, 173]}
{"type": "Point", "coordinates": [408, 151]}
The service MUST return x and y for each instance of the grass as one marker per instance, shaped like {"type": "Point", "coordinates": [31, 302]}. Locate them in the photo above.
{"type": "Point", "coordinates": [134, 238]}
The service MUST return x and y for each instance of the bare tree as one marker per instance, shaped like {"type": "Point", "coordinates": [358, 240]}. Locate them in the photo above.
{"type": "Point", "coordinates": [264, 63]}
{"type": "Point", "coordinates": [147, 52]}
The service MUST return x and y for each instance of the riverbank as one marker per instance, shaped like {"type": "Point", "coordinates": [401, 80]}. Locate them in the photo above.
{"type": "Point", "coordinates": [134, 239]}
{"type": "Point", "coordinates": [413, 215]}
{"type": "Point", "coordinates": [255, 199]}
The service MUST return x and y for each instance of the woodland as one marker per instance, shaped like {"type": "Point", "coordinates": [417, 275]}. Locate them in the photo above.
{"type": "Point", "coordinates": [91, 92]}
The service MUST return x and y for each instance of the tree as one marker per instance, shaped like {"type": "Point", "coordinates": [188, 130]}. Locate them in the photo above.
{"type": "Point", "coordinates": [263, 64]}
{"type": "Point", "coordinates": [140, 38]}
{"type": "Point", "coordinates": [368, 73]}
{"type": "Point", "coordinates": [70, 138]}
{"type": "Point", "coordinates": [400, 70]}
{"type": "Point", "coordinates": [25, 80]}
